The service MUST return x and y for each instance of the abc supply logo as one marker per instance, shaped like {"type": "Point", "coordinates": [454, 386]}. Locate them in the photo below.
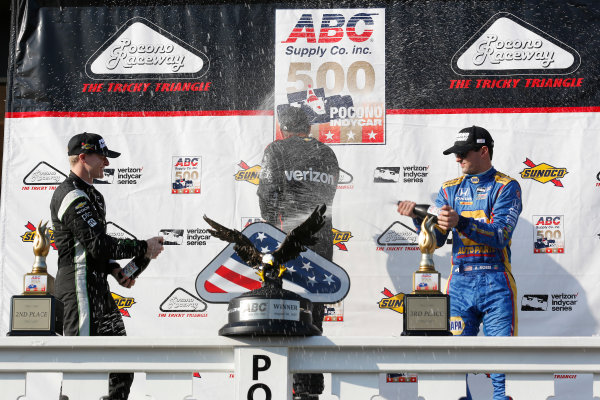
{"type": "Point", "coordinates": [334, 312]}
{"type": "Point", "coordinates": [43, 177]}
{"type": "Point", "coordinates": [181, 303]}
{"type": "Point", "coordinates": [394, 302]}
{"type": "Point", "coordinates": [401, 378]}
{"type": "Point", "coordinates": [247, 173]}
{"type": "Point", "coordinates": [507, 45]}
{"type": "Point", "coordinates": [142, 50]}
{"type": "Point", "coordinates": [29, 235]}
{"type": "Point", "coordinates": [548, 234]}
{"type": "Point", "coordinates": [543, 173]}
{"type": "Point", "coordinates": [340, 238]}
{"type": "Point", "coordinates": [123, 304]}
{"type": "Point", "coordinates": [331, 31]}
{"type": "Point", "coordinates": [398, 237]}
{"type": "Point", "coordinates": [561, 302]}
{"type": "Point", "coordinates": [185, 174]}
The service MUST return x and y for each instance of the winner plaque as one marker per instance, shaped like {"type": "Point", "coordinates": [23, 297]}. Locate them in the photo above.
{"type": "Point", "coordinates": [270, 310]}
{"type": "Point", "coordinates": [426, 309]}
{"type": "Point", "coordinates": [37, 312]}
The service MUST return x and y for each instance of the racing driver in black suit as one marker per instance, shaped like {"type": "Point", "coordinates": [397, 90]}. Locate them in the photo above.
{"type": "Point", "coordinates": [298, 174]}
{"type": "Point", "coordinates": [86, 252]}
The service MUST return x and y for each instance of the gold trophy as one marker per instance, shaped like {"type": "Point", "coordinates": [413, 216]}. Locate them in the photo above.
{"type": "Point", "coordinates": [37, 312]}
{"type": "Point", "coordinates": [426, 309]}
{"type": "Point", "coordinates": [38, 281]}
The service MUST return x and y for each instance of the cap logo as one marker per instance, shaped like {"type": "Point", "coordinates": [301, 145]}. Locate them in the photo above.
{"type": "Point", "coordinates": [87, 146]}
{"type": "Point", "coordinates": [102, 144]}
{"type": "Point", "coordinates": [480, 140]}
{"type": "Point", "coordinates": [462, 136]}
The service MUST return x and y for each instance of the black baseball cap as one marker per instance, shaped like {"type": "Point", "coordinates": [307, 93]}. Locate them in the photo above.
{"type": "Point", "coordinates": [89, 143]}
{"type": "Point", "coordinates": [471, 138]}
{"type": "Point", "coordinates": [294, 120]}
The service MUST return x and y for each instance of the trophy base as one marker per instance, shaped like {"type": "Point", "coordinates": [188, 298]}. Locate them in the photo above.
{"type": "Point", "coordinates": [426, 314]}
{"type": "Point", "coordinates": [36, 315]}
{"type": "Point", "coordinates": [269, 311]}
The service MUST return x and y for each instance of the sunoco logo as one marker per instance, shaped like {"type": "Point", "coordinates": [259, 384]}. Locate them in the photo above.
{"type": "Point", "coordinates": [394, 302]}
{"type": "Point", "coordinates": [507, 45]}
{"type": "Point", "coordinates": [143, 50]}
{"type": "Point", "coordinates": [123, 304]}
{"type": "Point", "coordinates": [248, 173]}
{"type": "Point", "coordinates": [543, 173]}
{"type": "Point", "coordinates": [341, 237]}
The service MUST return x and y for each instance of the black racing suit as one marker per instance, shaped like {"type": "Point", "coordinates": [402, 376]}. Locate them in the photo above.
{"type": "Point", "coordinates": [85, 259]}
{"type": "Point", "coordinates": [297, 175]}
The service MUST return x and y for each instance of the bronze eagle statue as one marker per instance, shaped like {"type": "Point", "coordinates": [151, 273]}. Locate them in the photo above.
{"type": "Point", "coordinates": [270, 266]}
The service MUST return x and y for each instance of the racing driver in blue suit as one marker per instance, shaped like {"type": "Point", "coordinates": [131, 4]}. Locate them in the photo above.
{"type": "Point", "coordinates": [481, 208]}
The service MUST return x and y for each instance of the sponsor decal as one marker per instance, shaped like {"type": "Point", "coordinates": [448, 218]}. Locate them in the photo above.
{"type": "Point", "coordinates": [398, 237]}
{"type": "Point", "coordinates": [506, 45]}
{"type": "Point", "coordinates": [248, 173]}
{"type": "Point", "coordinates": [29, 235]}
{"type": "Point", "coordinates": [309, 175]}
{"type": "Point", "coordinates": [334, 312]}
{"type": "Point", "coordinates": [182, 304]}
{"type": "Point", "coordinates": [457, 325]}
{"type": "Point", "coordinates": [123, 304]}
{"type": "Point", "coordinates": [197, 237]}
{"type": "Point", "coordinates": [414, 173]}
{"type": "Point", "coordinates": [141, 49]}
{"type": "Point", "coordinates": [386, 175]}
{"type": "Point", "coordinates": [401, 378]}
{"type": "Point", "coordinates": [43, 177]}
{"type": "Point", "coordinates": [310, 275]}
{"type": "Point", "coordinates": [186, 172]}
{"type": "Point", "coordinates": [598, 179]}
{"type": "Point", "coordinates": [560, 302]}
{"type": "Point", "coordinates": [340, 238]}
{"type": "Point", "coordinates": [543, 173]}
{"type": "Point", "coordinates": [345, 180]}
{"type": "Point", "coordinates": [391, 301]}
{"type": "Point", "coordinates": [534, 302]}
{"type": "Point", "coordinates": [548, 234]}
{"type": "Point", "coordinates": [330, 63]}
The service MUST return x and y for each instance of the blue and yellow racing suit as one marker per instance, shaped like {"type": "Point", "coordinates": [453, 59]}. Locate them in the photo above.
{"type": "Point", "coordinates": [481, 286]}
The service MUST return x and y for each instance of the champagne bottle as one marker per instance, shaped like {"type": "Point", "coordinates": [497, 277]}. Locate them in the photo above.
{"type": "Point", "coordinates": [135, 267]}
{"type": "Point", "coordinates": [423, 210]}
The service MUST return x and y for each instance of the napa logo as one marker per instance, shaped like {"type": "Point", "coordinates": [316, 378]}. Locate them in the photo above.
{"type": "Point", "coordinates": [248, 173]}
{"type": "Point", "coordinates": [341, 237]}
{"type": "Point", "coordinates": [457, 325]}
{"type": "Point", "coordinates": [543, 173]}
{"type": "Point", "coordinates": [29, 235]}
{"type": "Point", "coordinates": [123, 304]}
{"type": "Point", "coordinates": [394, 302]}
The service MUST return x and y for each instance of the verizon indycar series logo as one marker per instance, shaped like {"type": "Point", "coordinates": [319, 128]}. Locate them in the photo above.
{"type": "Point", "coordinates": [29, 235]}
{"type": "Point", "coordinates": [123, 304]}
{"type": "Point", "coordinates": [309, 275]}
{"type": "Point", "coordinates": [557, 301]}
{"type": "Point", "coordinates": [248, 173]}
{"type": "Point", "coordinates": [507, 45]}
{"type": "Point", "coordinates": [142, 50]}
{"type": "Point", "coordinates": [543, 173]}
{"type": "Point", "coordinates": [43, 177]}
{"type": "Point", "coordinates": [189, 237]}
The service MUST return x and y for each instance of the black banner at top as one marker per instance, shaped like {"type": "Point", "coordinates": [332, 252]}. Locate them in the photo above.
{"type": "Point", "coordinates": [445, 55]}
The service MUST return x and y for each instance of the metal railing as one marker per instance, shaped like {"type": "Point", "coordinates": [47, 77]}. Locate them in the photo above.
{"type": "Point", "coordinates": [262, 367]}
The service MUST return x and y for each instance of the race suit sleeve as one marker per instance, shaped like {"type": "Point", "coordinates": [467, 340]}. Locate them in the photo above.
{"type": "Point", "coordinates": [270, 186]}
{"type": "Point", "coordinates": [78, 215]}
{"type": "Point", "coordinates": [503, 219]}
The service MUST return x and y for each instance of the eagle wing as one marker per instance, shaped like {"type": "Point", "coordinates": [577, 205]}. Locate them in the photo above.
{"type": "Point", "coordinates": [301, 236]}
{"type": "Point", "coordinates": [243, 246]}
